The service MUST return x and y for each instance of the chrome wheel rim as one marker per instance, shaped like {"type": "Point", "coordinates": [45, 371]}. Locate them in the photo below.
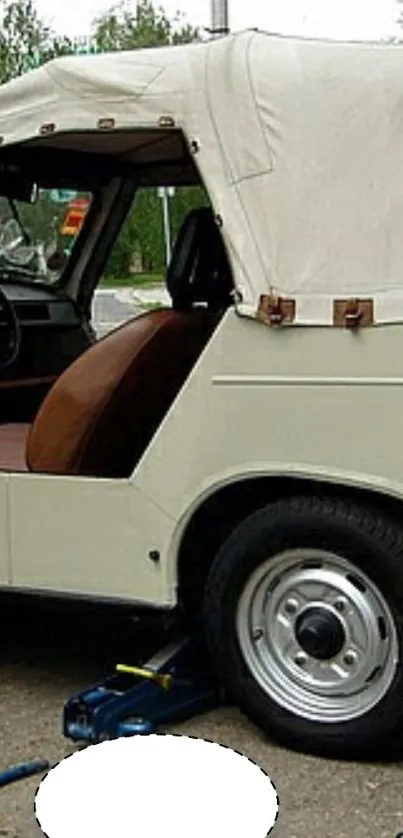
{"type": "Point", "coordinates": [317, 635]}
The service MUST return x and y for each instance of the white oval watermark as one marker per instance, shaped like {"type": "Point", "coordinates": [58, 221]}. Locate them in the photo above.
{"type": "Point", "coordinates": [153, 786]}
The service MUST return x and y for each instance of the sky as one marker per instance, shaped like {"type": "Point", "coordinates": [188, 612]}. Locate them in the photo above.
{"type": "Point", "coordinates": [323, 18]}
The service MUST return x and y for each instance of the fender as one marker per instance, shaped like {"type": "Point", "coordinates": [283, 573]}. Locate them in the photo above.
{"type": "Point", "coordinates": [303, 472]}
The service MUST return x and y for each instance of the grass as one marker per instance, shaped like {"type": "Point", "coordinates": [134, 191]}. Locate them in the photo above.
{"type": "Point", "coordinates": [138, 281]}
{"type": "Point", "coordinates": [152, 306]}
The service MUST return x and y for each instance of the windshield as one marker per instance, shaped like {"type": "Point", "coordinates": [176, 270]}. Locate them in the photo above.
{"type": "Point", "coordinates": [36, 239]}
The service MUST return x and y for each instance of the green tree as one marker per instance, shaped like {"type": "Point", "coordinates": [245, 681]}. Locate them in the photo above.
{"type": "Point", "coordinates": [143, 231]}
{"type": "Point", "coordinates": [25, 40]}
{"type": "Point", "coordinates": [121, 28]}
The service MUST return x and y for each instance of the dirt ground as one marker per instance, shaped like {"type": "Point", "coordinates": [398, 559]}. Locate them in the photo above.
{"type": "Point", "coordinates": [48, 654]}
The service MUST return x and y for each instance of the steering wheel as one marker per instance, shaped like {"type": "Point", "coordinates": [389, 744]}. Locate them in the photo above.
{"type": "Point", "coordinates": [10, 332]}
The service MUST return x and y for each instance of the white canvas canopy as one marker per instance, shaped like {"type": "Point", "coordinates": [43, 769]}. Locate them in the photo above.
{"type": "Point", "coordinates": [300, 147]}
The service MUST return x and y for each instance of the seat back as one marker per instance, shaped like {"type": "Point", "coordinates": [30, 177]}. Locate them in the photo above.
{"type": "Point", "coordinates": [105, 408]}
{"type": "Point", "coordinates": [199, 271]}
{"type": "Point", "coordinates": [103, 411]}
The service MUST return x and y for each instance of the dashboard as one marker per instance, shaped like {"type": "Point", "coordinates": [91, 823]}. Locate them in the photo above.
{"type": "Point", "coordinates": [52, 336]}
{"type": "Point", "coordinates": [38, 305]}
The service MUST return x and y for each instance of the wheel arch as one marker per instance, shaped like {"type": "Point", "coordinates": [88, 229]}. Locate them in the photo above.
{"type": "Point", "coordinates": [226, 506]}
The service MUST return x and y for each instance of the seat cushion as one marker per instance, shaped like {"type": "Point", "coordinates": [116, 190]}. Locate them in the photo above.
{"type": "Point", "coordinates": [102, 412]}
{"type": "Point", "coordinates": [13, 443]}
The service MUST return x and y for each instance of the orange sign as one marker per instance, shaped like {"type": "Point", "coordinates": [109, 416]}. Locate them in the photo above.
{"type": "Point", "coordinates": [74, 218]}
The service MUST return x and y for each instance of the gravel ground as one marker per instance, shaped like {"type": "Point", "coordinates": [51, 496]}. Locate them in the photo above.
{"type": "Point", "coordinates": [49, 653]}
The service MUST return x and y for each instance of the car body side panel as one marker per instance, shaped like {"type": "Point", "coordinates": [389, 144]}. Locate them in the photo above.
{"type": "Point", "coordinates": [310, 401]}
{"type": "Point", "coordinates": [4, 531]}
{"type": "Point", "coordinates": [91, 537]}
{"type": "Point", "coordinates": [306, 402]}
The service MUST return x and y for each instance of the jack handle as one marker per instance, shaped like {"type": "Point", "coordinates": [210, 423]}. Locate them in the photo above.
{"type": "Point", "coordinates": [164, 680]}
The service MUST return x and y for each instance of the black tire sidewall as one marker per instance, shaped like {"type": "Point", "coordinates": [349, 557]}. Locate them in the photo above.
{"type": "Point", "coordinates": [371, 546]}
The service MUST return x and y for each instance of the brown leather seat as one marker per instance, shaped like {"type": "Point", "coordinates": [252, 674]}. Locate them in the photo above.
{"type": "Point", "coordinates": [13, 445]}
{"type": "Point", "coordinates": [104, 409]}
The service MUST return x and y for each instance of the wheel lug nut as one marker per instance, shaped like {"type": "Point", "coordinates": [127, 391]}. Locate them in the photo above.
{"type": "Point", "coordinates": [350, 658]}
{"type": "Point", "coordinates": [291, 606]}
{"type": "Point", "coordinates": [340, 604]}
{"type": "Point", "coordinates": [257, 633]}
{"type": "Point", "coordinates": [300, 659]}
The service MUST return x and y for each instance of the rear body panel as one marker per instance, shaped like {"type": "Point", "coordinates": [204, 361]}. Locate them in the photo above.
{"type": "Point", "coordinates": [320, 403]}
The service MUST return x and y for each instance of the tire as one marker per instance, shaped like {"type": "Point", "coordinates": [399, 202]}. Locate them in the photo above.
{"type": "Point", "coordinates": [303, 621]}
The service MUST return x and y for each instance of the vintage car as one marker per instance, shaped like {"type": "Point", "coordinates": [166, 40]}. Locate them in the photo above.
{"type": "Point", "coordinates": [236, 455]}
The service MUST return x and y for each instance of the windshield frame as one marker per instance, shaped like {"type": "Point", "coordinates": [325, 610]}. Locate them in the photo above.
{"type": "Point", "coordinates": [79, 243]}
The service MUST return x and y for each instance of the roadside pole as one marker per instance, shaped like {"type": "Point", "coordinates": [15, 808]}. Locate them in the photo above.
{"type": "Point", "coordinates": [219, 18]}
{"type": "Point", "coordinates": [166, 193]}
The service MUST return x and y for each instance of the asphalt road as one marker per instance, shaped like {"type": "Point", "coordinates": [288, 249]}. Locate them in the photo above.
{"type": "Point", "coordinates": [115, 306]}
{"type": "Point", "coordinates": [109, 311]}
{"type": "Point", "coordinates": [48, 654]}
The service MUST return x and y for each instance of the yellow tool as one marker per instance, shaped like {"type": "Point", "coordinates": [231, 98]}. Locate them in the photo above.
{"type": "Point", "coordinates": [164, 681]}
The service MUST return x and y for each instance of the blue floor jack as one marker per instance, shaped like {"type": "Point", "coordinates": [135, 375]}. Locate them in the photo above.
{"type": "Point", "coordinates": [174, 685]}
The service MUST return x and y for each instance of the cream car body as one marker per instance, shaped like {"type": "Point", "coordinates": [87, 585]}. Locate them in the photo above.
{"type": "Point", "coordinates": [300, 147]}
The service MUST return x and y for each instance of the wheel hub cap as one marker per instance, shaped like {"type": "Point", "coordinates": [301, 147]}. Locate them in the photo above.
{"type": "Point", "coordinates": [320, 633]}
{"type": "Point", "coordinates": [317, 635]}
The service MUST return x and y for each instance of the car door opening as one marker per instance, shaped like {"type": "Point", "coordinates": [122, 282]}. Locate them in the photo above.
{"type": "Point", "coordinates": [104, 409]}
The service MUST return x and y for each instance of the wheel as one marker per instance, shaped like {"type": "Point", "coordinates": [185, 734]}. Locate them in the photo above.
{"type": "Point", "coordinates": [303, 619]}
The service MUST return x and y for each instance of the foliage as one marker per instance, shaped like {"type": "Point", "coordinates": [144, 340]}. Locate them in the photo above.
{"type": "Point", "coordinates": [24, 39]}
{"type": "Point", "coordinates": [122, 28]}
{"type": "Point", "coordinates": [143, 230]}
{"type": "Point", "coordinates": [41, 220]}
